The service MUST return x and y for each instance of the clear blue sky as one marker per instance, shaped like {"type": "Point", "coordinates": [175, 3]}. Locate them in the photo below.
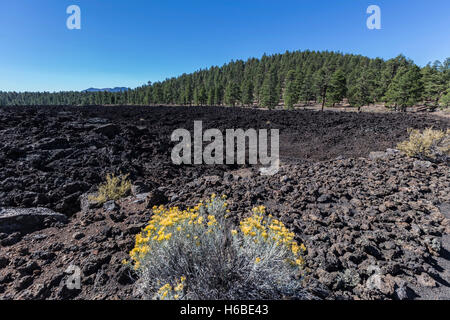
{"type": "Point", "coordinates": [127, 43]}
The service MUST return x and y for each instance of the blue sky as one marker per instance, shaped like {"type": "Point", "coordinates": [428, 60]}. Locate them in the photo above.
{"type": "Point", "coordinates": [127, 43]}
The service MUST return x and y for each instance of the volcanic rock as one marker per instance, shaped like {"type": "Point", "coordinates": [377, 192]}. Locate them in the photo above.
{"type": "Point", "coordinates": [28, 220]}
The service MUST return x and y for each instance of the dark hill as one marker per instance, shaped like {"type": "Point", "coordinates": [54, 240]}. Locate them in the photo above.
{"type": "Point", "coordinates": [116, 89]}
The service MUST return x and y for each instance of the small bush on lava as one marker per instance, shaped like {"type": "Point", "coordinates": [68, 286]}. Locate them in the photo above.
{"type": "Point", "coordinates": [114, 188]}
{"type": "Point", "coordinates": [196, 254]}
{"type": "Point", "coordinates": [427, 145]}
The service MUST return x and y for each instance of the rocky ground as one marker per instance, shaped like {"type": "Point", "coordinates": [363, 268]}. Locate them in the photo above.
{"type": "Point", "coordinates": [376, 225]}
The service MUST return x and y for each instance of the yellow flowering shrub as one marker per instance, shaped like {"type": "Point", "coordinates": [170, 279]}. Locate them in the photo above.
{"type": "Point", "coordinates": [114, 188]}
{"type": "Point", "coordinates": [259, 232]}
{"type": "Point", "coordinates": [429, 144]}
{"type": "Point", "coordinates": [196, 253]}
{"type": "Point", "coordinates": [167, 292]}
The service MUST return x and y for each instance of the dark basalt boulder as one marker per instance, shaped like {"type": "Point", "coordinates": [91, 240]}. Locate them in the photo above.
{"type": "Point", "coordinates": [108, 130]}
{"type": "Point", "coordinates": [26, 220]}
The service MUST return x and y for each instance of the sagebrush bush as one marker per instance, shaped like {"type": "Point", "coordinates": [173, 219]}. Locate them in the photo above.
{"type": "Point", "coordinates": [197, 254]}
{"type": "Point", "coordinates": [115, 188]}
{"type": "Point", "coordinates": [427, 145]}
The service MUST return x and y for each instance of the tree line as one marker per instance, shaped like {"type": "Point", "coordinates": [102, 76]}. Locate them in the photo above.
{"type": "Point", "coordinates": [300, 77]}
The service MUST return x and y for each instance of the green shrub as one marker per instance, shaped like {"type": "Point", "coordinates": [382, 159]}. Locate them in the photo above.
{"type": "Point", "coordinates": [196, 254]}
{"type": "Point", "coordinates": [430, 144]}
{"type": "Point", "coordinates": [114, 188]}
{"type": "Point", "coordinates": [444, 102]}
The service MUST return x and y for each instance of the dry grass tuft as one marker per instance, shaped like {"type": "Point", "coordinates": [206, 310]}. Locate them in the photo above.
{"type": "Point", "coordinates": [433, 145]}
{"type": "Point", "coordinates": [115, 188]}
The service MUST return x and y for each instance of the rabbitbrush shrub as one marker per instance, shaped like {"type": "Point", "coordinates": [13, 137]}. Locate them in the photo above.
{"type": "Point", "coordinates": [114, 188]}
{"type": "Point", "coordinates": [427, 145]}
{"type": "Point", "coordinates": [196, 254]}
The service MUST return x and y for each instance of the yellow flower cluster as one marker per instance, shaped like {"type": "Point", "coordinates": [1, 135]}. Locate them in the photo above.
{"type": "Point", "coordinates": [166, 223]}
{"type": "Point", "coordinates": [167, 292]}
{"type": "Point", "coordinates": [271, 230]}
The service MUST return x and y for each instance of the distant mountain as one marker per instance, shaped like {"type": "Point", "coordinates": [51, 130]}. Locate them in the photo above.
{"type": "Point", "coordinates": [116, 89]}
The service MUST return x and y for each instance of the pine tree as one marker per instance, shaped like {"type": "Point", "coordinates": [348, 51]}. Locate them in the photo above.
{"type": "Point", "coordinates": [269, 97]}
{"type": "Point", "coordinates": [158, 93]}
{"type": "Point", "coordinates": [322, 82]}
{"type": "Point", "coordinates": [211, 98]}
{"type": "Point", "coordinates": [258, 82]}
{"type": "Point", "coordinates": [218, 95]}
{"type": "Point", "coordinates": [148, 95]}
{"type": "Point", "coordinates": [291, 90]}
{"type": "Point", "coordinates": [359, 94]}
{"type": "Point", "coordinates": [188, 94]}
{"type": "Point", "coordinates": [388, 72]}
{"type": "Point", "coordinates": [406, 88]}
{"type": "Point", "coordinates": [232, 93]}
{"type": "Point", "coordinates": [307, 92]}
{"type": "Point", "coordinates": [434, 84]}
{"type": "Point", "coordinates": [299, 78]}
{"type": "Point", "coordinates": [98, 98]}
{"type": "Point", "coordinates": [247, 92]}
{"type": "Point", "coordinates": [202, 97]}
{"type": "Point", "coordinates": [195, 96]}
{"type": "Point", "coordinates": [338, 87]}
